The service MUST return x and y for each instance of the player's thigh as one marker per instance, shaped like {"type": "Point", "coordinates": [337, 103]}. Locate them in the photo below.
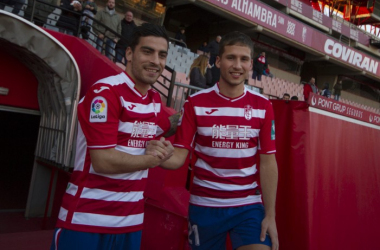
{"type": "Point", "coordinates": [254, 247]}
{"type": "Point", "coordinates": [74, 240]}
{"type": "Point", "coordinates": [128, 241]}
{"type": "Point", "coordinates": [207, 228]}
{"type": "Point", "coordinates": [247, 228]}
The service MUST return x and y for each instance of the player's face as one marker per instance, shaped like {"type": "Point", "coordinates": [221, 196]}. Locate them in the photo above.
{"type": "Point", "coordinates": [235, 64]}
{"type": "Point", "coordinates": [147, 61]}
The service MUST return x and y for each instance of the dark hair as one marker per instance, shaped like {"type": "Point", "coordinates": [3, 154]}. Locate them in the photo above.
{"type": "Point", "coordinates": [294, 98]}
{"type": "Point", "coordinates": [147, 29]}
{"type": "Point", "coordinates": [235, 38]}
{"type": "Point", "coordinates": [286, 94]}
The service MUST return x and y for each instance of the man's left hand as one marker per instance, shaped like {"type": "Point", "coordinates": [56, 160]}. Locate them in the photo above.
{"type": "Point", "coordinates": [268, 226]}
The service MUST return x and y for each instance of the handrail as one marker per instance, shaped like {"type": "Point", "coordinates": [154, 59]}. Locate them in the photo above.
{"type": "Point", "coordinates": [178, 41]}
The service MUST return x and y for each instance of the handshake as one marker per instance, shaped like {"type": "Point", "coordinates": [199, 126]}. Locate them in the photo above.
{"type": "Point", "coordinates": [162, 150]}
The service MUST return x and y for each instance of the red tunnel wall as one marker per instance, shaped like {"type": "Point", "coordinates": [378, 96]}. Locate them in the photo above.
{"type": "Point", "coordinates": [329, 172]}
{"type": "Point", "coordinates": [20, 81]}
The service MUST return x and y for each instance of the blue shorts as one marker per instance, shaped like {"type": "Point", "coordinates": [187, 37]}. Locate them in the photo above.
{"type": "Point", "coordinates": [208, 226]}
{"type": "Point", "coordinates": [65, 239]}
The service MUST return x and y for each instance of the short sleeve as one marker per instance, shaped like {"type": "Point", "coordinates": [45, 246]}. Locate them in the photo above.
{"type": "Point", "coordinates": [187, 127]}
{"type": "Point", "coordinates": [267, 142]}
{"type": "Point", "coordinates": [98, 115]}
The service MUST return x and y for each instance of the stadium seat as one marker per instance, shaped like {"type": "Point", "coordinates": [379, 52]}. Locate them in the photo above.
{"type": "Point", "coordinates": [266, 89]}
{"type": "Point", "coordinates": [182, 78]}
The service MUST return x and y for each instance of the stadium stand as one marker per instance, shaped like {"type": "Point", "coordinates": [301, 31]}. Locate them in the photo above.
{"type": "Point", "coordinates": [180, 59]}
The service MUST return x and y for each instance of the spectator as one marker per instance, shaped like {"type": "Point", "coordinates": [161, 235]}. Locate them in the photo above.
{"type": "Point", "coordinates": [225, 197]}
{"type": "Point", "coordinates": [127, 25]}
{"type": "Point", "coordinates": [89, 10]}
{"type": "Point", "coordinates": [326, 91]}
{"type": "Point", "coordinates": [337, 89]}
{"type": "Point", "coordinates": [266, 72]}
{"type": "Point", "coordinates": [260, 64]}
{"type": "Point", "coordinates": [286, 97]}
{"type": "Point", "coordinates": [68, 21]}
{"type": "Point", "coordinates": [309, 87]}
{"type": "Point", "coordinates": [204, 48]}
{"type": "Point", "coordinates": [17, 5]}
{"type": "Point", "coordinates": [109, 18]}
{"type": "Point", "coordinates": [181, 37]}
{"type": "Point", "coordinates": [200, 73]}
{"type": "Point", "coordinates": [294, 98]}
{"type": "Point", "coordinates": [213, 48]}
{"type": "Point", "coordinates": [103, 206]}
{"type": "Point", "coordinates": [41, 11]}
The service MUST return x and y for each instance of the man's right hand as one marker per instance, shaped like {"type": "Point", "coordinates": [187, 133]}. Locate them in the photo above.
{"type": "Point", "coordinates": [161, 149]}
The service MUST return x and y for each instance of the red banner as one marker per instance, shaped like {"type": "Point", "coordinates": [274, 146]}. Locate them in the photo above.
{"type": "Point", "coordinates": [340, 108]}
{"type": "Point", "coordinates": [272, 19]}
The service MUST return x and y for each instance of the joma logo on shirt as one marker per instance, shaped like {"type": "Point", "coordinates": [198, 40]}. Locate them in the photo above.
{"type": "Point", "coordinates": [132, 106]}
{"type": "Point", "coordinates": [211, 111]}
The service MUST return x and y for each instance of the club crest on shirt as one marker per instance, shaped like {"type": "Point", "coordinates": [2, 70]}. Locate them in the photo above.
{"type": "Point", "coordinates": [99, 108]}
{"type": "Point", "coordinates": [248, 112]}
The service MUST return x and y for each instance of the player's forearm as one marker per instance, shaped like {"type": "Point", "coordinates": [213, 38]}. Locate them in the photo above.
{"type": "Point", "coordinates": [112, 161]}
{"type": "Point", "coordinates": [268, 180]}
{"type": "Point", "coordinates": [177, 160]}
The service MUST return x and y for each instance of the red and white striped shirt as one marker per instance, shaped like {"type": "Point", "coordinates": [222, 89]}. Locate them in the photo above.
{"type": "Point", "coordinates": [113, 114]}
{"type": "Point", "coordinates": [229, 134]}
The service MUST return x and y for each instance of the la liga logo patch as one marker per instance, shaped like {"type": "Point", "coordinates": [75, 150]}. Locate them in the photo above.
{"type": "Point", "coordinates": [98, 106]}
{"type": "Point", "coordinates": [98, 111]}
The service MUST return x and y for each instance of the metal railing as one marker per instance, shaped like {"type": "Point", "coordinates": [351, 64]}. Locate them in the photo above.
{"type": "Point", "coordinates": [73, 24]}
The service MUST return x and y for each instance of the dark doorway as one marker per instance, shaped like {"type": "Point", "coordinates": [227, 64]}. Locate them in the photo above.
{"type": "Point", "coordinates": [18, 133]}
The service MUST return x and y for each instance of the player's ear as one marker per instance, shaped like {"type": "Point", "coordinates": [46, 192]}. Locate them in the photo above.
{"type": "Point", "coordinates": [129, 54]}
{"type": "Point", "coordinates": [217, 62]}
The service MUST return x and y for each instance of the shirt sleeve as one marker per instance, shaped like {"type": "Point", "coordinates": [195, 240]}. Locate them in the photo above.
{"type": "Point", "coordinates": [187, 127]}
{"type": "Point", "coordinates": [267, 142]}
{"type": "Point", "coordinates": [98, 115]}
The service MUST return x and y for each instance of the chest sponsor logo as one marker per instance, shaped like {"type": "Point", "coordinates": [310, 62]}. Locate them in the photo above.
{"type": "Point", "coordinates": [144, 129]}
{"type": "Point", "coordinates": [97, 91]}
{"type": "Point", "coordinates": [248, 112]}
{"type": "Point", "coordinates": [220, 133]}
{"type": "Point", "coordinates": [211, 111]}
{"type": "Point", "coordinates": [237, 132]}
{"type": "Point", "coordinates": [99, 108]}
